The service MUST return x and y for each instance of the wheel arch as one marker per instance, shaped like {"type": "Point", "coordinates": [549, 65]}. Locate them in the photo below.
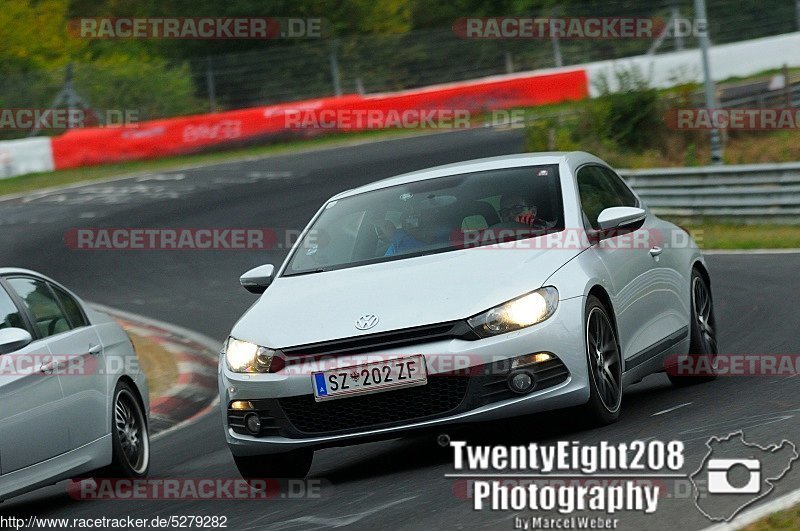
{"type": "Point", "coordinates": [128, 380]}
{"type": "Point", "coordinates": [703, 270]}
{"type": "Point", "coordinates": [600, 292]}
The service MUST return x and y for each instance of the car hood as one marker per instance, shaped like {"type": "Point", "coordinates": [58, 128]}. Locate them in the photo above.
{"type": "Point", "coordinates": [309, 308]}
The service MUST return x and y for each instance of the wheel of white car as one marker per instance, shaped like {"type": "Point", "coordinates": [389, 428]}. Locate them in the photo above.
{"type": "Point", "coordinates": [129, 435]}
{"type": "Point", "coordinates": [604, 364]}
{"type": "Point", "coordinates": [702, 329]}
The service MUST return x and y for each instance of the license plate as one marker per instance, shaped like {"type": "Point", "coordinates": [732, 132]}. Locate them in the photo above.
{"type": "Point", "coordinates": [370, 378]}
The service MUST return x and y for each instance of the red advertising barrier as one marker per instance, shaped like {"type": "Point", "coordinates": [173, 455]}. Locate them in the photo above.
{"type": "Point", "coordinates": [172, 136]}
{"type": "Point", "coordinates": [175, 136]}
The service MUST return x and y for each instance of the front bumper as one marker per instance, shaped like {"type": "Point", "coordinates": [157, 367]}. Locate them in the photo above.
{"type": "Point", "coordinates": [466, 384]}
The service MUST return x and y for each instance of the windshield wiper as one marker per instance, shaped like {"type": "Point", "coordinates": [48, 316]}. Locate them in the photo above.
{"type": "Point", "coordinates": [307, 272]}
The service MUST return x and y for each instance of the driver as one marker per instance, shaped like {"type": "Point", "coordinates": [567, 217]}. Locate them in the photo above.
{"type": "Point", "coordinates": [422, 228]}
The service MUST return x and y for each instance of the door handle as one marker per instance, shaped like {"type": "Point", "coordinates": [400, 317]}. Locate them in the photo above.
{"type": "Point", "coordinates": [95, 349]}
{"type": "Point", "coordinates": [655, 251]}
{"type": "Point", "coordinates": [48, 367]}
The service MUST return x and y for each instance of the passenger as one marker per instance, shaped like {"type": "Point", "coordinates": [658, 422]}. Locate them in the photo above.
{"type": "Point", "coordinates": [516, 208]}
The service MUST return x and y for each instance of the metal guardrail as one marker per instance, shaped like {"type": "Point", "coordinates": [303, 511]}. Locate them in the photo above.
{"type": "Point", "coordinates": [765, 99]}
{"type": "Point", "coordinates": [751, 193]}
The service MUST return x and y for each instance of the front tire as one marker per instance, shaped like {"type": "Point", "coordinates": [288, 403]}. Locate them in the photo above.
{"type": "Point", "coordinates": [604, 364]}
{"type": "Point", "coordinates": [290, 465]}
{"type": "Point", "coordinates": [129, 436]}
{"type": "Point", "coordinates": [703, 325]}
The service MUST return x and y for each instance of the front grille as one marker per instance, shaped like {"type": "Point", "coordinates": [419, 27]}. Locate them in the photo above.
{"type": "Point", "coordinates": [384, 340]}
{"type": "Point", "coordinates": [441, 395]}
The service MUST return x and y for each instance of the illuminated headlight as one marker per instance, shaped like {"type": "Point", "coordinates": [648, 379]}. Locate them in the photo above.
{"type": "Point", "coordinates": [518, 313]}
{"type": "Point", "coordinates": [242, 356]}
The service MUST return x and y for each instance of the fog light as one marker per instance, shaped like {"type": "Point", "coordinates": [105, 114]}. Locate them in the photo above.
{"type": "Point", "coordinates": [253, 423]}
{"type": "Point", "coordinates": [530, 359]}
{"type": "Point", "coordinates": [520, 382]}
{"type": "Point", "coordinates": [541, 357]}
{"type": "Point", "coordinates": [241, 405]}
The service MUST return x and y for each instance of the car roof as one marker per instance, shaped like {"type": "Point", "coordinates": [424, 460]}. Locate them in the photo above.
{"type": "Point", "coordinates": [16, 270]}
{"type": "Point", "coordinates": [574, 158]}
{"type": "Point", "coordinates": [4, 271]}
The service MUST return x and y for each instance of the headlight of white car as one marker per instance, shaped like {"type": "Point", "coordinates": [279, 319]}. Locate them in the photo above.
{"type": "Point", "coordinates": [524, 311]}
{"type": "Point", "coordinates": [243, 356]}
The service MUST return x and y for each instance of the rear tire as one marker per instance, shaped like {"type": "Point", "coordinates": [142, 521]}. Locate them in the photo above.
{"type": "Point", "coordinates": [702, 327]}
{"type": "Point", "coordinates": [604, 363]}
{"type": "Point", "coordinates": [291, 465]}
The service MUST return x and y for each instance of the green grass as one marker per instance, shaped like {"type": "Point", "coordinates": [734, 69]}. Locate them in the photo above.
{"type": "Point", "coordinates": [710, 235]}
{"type": "Point", "coordinates": [788, 519]}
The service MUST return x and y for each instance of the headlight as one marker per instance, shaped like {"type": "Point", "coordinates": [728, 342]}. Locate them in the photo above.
{"type": "Point", "coordinates": [242, 356]}
{"type": "Point", "coordinates": [521, 312]}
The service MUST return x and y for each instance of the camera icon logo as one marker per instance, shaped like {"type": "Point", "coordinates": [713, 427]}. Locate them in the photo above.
{"type": "Point", "coordinates": [735, 473]}
{"type": "Point", "coordinates": [718, 476]}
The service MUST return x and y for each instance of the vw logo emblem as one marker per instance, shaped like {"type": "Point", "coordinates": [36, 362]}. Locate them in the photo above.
{"type": "Point", "coordinates": [365, 322]}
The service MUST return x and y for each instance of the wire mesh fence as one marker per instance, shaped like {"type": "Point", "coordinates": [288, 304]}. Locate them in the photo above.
{"type": "Point", "coordinates": [379, 63]}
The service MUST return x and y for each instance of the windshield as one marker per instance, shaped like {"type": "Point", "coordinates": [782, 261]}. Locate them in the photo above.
{"type": "Point", "coordinates": [432, 216]}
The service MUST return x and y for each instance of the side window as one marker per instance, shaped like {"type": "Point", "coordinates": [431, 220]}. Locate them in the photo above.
{"type": "Point", "coordinates": [599, 189]}
{"type": "Point", "coordinates": [43, 305]}
{"type": "Point", "coordinates": [623, 192]}
{"type": "Point", "coordinates": [9, 314]}
{"type": "Point", "coordinates": [71, 308]}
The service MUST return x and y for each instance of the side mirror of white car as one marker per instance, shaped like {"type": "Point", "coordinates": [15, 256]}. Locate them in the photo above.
{"type": "Point", "coordinates": [258, 279]}
{"type": "Point", "coordinates": [618, 217]}
{"type": "Point", "coordinates": [12, 339]}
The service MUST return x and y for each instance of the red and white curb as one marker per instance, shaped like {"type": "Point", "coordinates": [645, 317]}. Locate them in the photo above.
{"type": "Point", "coordinates": [195, 392]}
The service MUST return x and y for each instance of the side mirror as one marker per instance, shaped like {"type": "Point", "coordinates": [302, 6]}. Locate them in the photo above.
{"type": "Point", "coordinates": [12, 339]}
{"type": "Point", "coordinates": [258, 279]}
{"type": "Point", "coordinates": [619, 217]}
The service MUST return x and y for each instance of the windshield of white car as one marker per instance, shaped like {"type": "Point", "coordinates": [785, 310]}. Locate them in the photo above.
{"type": "Point", "coordinates": [432, 216]}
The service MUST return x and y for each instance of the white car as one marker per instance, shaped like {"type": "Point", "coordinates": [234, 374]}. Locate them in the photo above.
{"type": "Point", "coordinates": [73, 401]}
{"type": "Point", "coordinates": [475, 291]}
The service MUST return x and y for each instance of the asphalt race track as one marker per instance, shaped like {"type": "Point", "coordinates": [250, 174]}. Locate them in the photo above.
{"type": "Point", "coordinates": [388, 484]}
